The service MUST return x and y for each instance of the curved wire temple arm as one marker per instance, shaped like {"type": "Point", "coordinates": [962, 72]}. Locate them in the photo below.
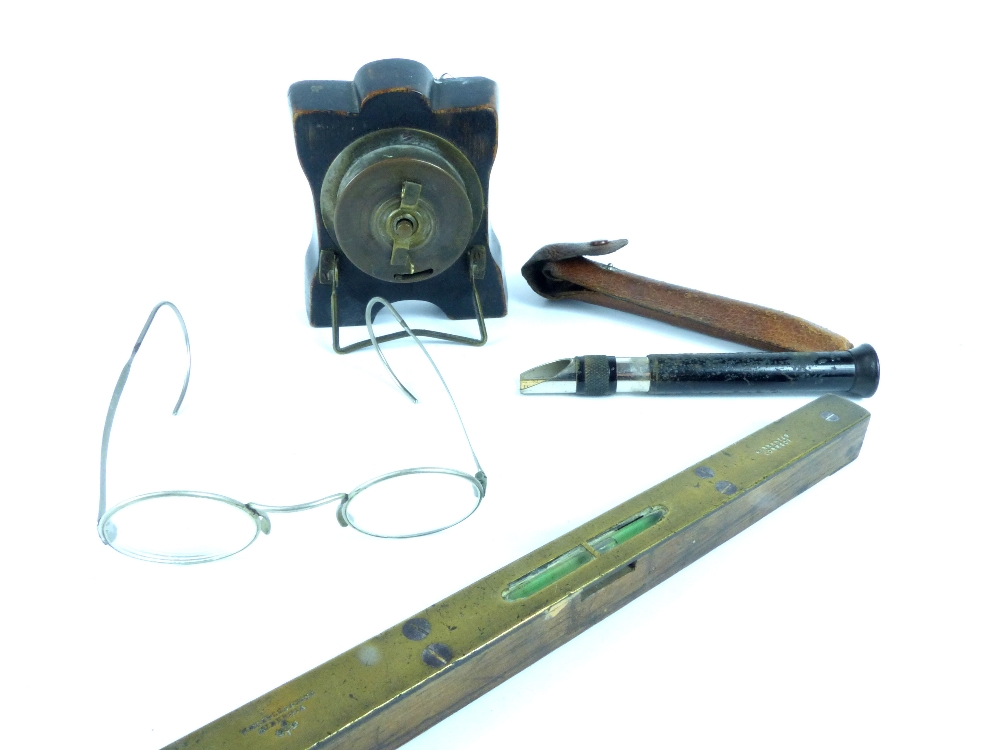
{"type": "Point", "coordinates": [480, 475]}
{"type": "Point", "coordinates": [344, 498]}
{"type": "Point", "coordinates": [117, 395]}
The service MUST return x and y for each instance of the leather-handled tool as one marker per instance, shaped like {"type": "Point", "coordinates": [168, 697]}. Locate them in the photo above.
{"type": "Point", "coordinates": [561, 271]}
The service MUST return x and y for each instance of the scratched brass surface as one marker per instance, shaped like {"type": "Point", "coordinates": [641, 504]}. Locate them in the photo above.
{"type": "Point", "coordinates": [387, 690]}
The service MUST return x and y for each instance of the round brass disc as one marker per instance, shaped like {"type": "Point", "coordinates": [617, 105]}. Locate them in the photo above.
{"type": "Point", "coordinates": [402, 204]}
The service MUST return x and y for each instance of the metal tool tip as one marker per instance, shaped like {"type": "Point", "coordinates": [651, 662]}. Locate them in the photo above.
{"type": "Point", "coordinates": [554, 377]}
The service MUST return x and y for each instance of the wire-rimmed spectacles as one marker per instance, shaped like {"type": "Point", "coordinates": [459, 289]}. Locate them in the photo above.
{"type": "Point", "coordinates": [185, 526]}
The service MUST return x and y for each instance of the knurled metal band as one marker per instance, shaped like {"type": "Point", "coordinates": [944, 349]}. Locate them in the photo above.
{"type": "Point", "coordinates": [596, 377]}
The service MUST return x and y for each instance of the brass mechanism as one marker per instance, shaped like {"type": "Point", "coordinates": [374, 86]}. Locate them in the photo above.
{"type": "Point", "coordinates": [399, 165]}
{"type": "Point", "coordinates": [402, 204]}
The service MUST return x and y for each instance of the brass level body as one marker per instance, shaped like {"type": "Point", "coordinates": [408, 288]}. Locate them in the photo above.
{"type": "Point", "coordinates": [399, 683]}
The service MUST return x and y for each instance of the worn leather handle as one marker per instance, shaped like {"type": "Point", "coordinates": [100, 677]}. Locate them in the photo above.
{"type": "Point", "coordinates": [561, 272]}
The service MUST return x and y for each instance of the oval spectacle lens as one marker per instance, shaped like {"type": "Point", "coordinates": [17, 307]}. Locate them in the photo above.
{"type": "Point", "coordinates": [414, 504]}
{"type": "Point", "coordinates": [180, 527]}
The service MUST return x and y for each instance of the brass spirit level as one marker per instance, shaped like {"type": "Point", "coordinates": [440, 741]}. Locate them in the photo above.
{"type": "Point", "coordinates": [401, 682]}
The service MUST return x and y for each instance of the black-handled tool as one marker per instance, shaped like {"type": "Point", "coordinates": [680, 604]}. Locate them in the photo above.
{"type": "Point", "coordinates": [854, 372]}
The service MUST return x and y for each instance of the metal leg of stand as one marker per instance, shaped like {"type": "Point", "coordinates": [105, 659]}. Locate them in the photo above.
{"type": "Point", "coordinates": [418, 331]}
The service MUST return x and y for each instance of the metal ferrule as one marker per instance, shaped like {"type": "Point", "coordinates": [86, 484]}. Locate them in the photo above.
{"type": "Point", "coordinates": [633, 374]}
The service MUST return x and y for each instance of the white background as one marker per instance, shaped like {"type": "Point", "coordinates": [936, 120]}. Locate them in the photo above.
{"type": "Point", "coordinates": [837, 161]}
